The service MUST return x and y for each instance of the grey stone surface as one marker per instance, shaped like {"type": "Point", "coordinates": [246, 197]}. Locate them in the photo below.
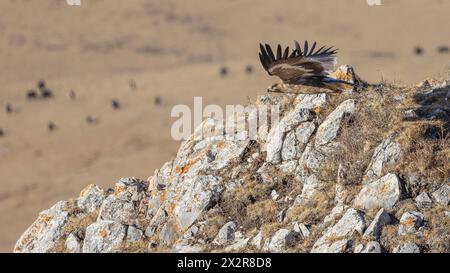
{"type": "Point", "coordinates": [334, 238]}
{"type": "Point", "coordinates": [423, 200]}
{"type": "Point", "coordinates": [410, 222]}
{"type": "Point", "coordinates": [196, 195]}
{"type": "Point", "coordinates": [226, 234]}
{"type": "Point", "coordinates": [407, 248]}
{"type": "Point", "coordinates": [46, 232]}
{"type": "Point", "coordinates": [382, 193]}
{"type": "Point", "coordinates": [374, 230]}
{"type": "Point", "coordinates": [103, 237]}
{"type": "Point", "coordinates": [134, 234]}
{"type": "Point", "coordinates": [329, 129]}
{"type": "Point", "coordinates": [282, 239]}
{"type": "Point", "coordinates": [387, 153]}
{"type": "Point", "coordinates": [442, 195]}
{"type": "Point", "coordinates": [91, 198]}
{"type": "Point", "coordinates": [73, 244]}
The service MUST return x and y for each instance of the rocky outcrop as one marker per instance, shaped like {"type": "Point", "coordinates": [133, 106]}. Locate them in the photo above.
{"type": "Point", "coordinates": [323, 179]}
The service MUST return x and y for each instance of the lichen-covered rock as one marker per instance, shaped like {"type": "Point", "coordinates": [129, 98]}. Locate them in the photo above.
{"type": "Point", "coordinates": [91, 198]}
{"type": "Point", "coordinates": [196, 195]}
{"type": "Point", "coordinates": [46, 232]}
{"type": "Point", "coordinates": [103, 236]}
{"type": "Point", "coordinates": [410, 222]}
{"type": "Point", "coordinates": [387, 153]}
{"type": "Point", "coordinates": [382, 193]}
{"type": "Point", "coordinates": [329, 129]}
{"type": "Point", "coordinates": [226, 234]}
{"type": "Point", "coordinates": [335, 238]}
{"type": "Point", "coordinates": [127, 204]}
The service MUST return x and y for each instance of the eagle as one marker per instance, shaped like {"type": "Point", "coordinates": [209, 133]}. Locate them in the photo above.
{"type": "Point", "coordinates": [303, 67]}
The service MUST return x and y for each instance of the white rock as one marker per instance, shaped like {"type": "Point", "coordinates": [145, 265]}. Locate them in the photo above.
{"type": "Point", "coordinates": [195, 196]}
{"type": "Point", "coordinates": [91, 198]}
{"type": "Point", "coordinates": [278, 133]}
{"type": "Point", "coordinates": [387, 153]}
{"type": "Point", "coordinates": [46, 232]}
{"type": "Point", "coordinates": [410, 222]}
{"type": "Point", "coordinates": [282, 239]}
{"type": "Point", "coordinates": [407, 248]}
{"type": "Point", "coordinates": [423, 200]}
{"type": "Point", "coordinates": [442, 195]}
{"type": "Point", "coordinates": [73, 244]}
{"type": "Point", "coordinates": [103, 237]}
{"type": "Point", "coordinates": [374, 230]}
{"type": "Point", "coordinates": [382, 193]}
{"type": "Point", "coordinates": [257, 241]}
{"type": "Point", "coordinates": [226, 234]}
{"type": "Point", "coordinates": [310, 186]}
{"type": "Point", "coordinates": [349, 223]}
{"type": "Point", "coordinates": [134, 234]}
{"type": "Point", "coordinates": [372, 247]}
{"type": "Point", "coordinates": [329, 129]}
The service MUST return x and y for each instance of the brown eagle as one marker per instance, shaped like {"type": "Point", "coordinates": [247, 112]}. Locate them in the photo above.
{"type": "Point", "coordinates": [303, 66]}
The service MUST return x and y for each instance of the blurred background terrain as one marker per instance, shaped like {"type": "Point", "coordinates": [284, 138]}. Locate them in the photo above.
{"type": "Point", "coordinates": [116, 68]}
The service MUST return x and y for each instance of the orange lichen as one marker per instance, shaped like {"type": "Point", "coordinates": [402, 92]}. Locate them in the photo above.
{"type": "Point", "coordinates": [103, 233]}
{"type": "Point", "coordinates": [118, 189]}
{"type": "Point", "coordinates": [85, 190]}
{"type": "Point", "coordinates": [384, 188]}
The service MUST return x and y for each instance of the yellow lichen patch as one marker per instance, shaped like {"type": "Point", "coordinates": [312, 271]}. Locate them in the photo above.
{"type": "Point", "coordinates": [103, 233]}
{"type": "Point", "coordinates": [45, 218]}
{"type": "Point", "coordinates": [409, 222]}
{"type": "Point", "coordinates": [86, 190]}
{"type": "Point", "coordinates": [118, 189]}
{"type": "Point", "coordinates": [162, 197]}
{"type": "Point", "coordinates": [317, 110]}
{"type": "Point", "coordinates": [384, 188]}
{"type": "Point", "coordinates": [341, 75]}
{"type": "Point", "coordinates": [220, 144]}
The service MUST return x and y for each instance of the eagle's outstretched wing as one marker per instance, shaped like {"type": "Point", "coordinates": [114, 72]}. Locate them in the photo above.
{"type": "Point", "coordinates": [300, 64]}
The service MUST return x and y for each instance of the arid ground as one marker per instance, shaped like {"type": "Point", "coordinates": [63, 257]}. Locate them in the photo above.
{"type": "Point", "coordinates": [173, 51]}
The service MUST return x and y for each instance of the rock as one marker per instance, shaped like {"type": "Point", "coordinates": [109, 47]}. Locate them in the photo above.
{"type": "Point", "coordinates": [150, 231]}
{"type": "Point", "coordinates": [274, 195]}
{"type": "Point", "coordinates": [331, 241]}
{"type": "Point", "coordinates": [73, 244]}
{"type": "Point", "coordinates": [91, 198]}
{"type": "Point", "coordinates": [423, 200]}
{"type": "Point", "coordinates": [301, 229]}
{"type": "Point", "coordinates": [410, 222]}
{"type": "Point", "coordinates": [382, 193]}
{"type": "Point", "coordinates": [371, 247]}
{"type": "Point", "coordinates": [196, 195]}
{"type": "Point", "coordinates": [310, 186]}
{"type": "Point", "coordinates": [442, 195]}
{"type": "Point", "coordinates": [46, 232]}
{"type": "Point", "coordinates": [257, 241]}
{"type": "Point", "coordinates": [329, 129]}
{"type": "Point", "coordinates": [134, 234]}
{"type": "Point", "coordinates": [124, 205]}
{"type": "Point", "coordinates": [185, 247]}
{"type": "Point", "coordinates": [374, 230]}
{"type": "Point", "coordinates": [278, 133]}
{"type": "Point", "coordinates": [336, 212]}
{"type": "Point", "coordinates": [407, 248]}
{"type": "Point", "coordinates": [386, 154]}
{"type": "Point", "coordinates": [289, 149]}
{"type": "Point", "coordinates": [226, 234]}
{"type": "Point", "coordinates": [310, 101]}
{"type": "Point", "coordinates": [103, 237]}
{"type": "Point", "coordinates": [282, 239]}
{"type": "Point", "coordinates": [238, 245]}
{"type": "Point", "coordinates": [168, 234]}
